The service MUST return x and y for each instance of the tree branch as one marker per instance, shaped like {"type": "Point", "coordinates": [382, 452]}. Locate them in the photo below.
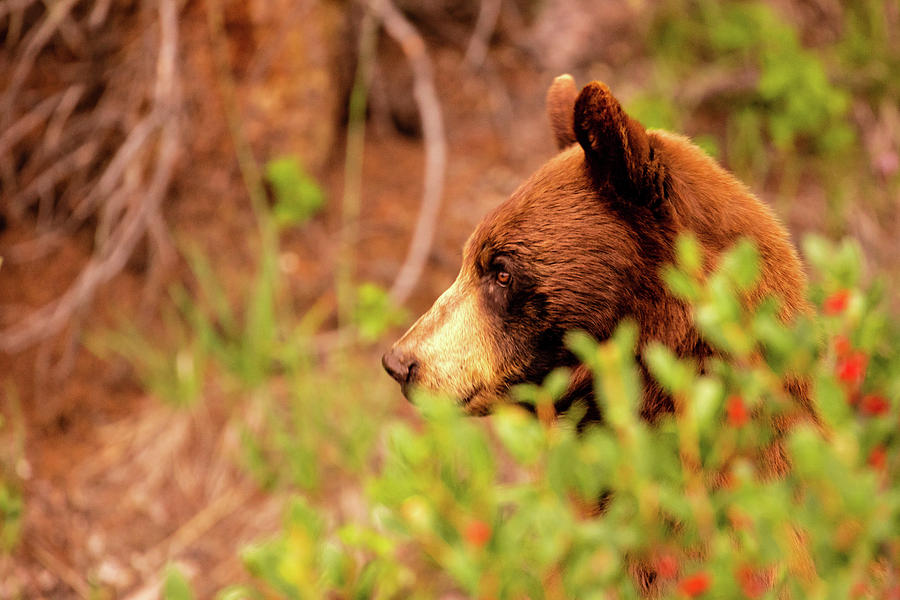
{"type": "Point", "coordinates": [111, 256]}
{"type": "Point", "coordinates": [413, 46]}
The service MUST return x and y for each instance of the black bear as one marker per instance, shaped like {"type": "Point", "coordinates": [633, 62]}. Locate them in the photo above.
{"type": "Point", "coordinates": [580, 246]}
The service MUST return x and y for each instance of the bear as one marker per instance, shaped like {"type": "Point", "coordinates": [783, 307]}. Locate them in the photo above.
{"type": "Point", "coordinates": [580, 245]}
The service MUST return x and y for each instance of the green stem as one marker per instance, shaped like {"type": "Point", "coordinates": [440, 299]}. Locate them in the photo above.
{"type": "Point", "coordinates": [247, 164]}
{"type": "Point", "coordinates": [353, 165]}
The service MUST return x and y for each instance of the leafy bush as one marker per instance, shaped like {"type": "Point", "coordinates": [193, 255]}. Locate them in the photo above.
{"type": "Point", "coordinates": [510, 506]}
{"type": "Point", "coordinates": [793, 98]}
{"type": "Point", "coordinates": [788, 97]}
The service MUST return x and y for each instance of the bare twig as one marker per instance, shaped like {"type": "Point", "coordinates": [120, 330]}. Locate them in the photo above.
{"type": "Point", "coordinates": [15, 9]}
{"type": "Point", "coordinates": [262, 61]}
{"type": "Point", "coordinates": [488, 14]}
{"type": "Point", "coordinates": [246, 161]}
{"type": "Point", "coordinates": [98, 14]}
{"type": "Point", "coordinates": [112, 255]}
{"type": "Point", "coordinates": [55, 127]}
{"type": "Point", "coordinates": [59, 568]}
{"type": "Point", "coordinates": [716, 83]}
{"type": "Point", "coordinates": [27, 122]}
{"type": "Point", "coordinates": [136, 139]}
{"type": "Point", "coordinates": [220, 507]}
{"type": "Point", "coordinates": [56, 14]}
{"type": "Point", "coordinates": [78, 159]}
{"type": "Point", "coordinates": [401, 30]}
{"type": "Point", "coordinates": [11, 6]}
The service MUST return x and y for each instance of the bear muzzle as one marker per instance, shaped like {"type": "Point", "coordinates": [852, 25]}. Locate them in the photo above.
{"type": "Point", "coordinates": [449, 350]}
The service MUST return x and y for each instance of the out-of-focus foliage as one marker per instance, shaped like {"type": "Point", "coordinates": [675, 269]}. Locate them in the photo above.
{"type": "Point", "coordinates": [12, 462]}
{"type": "Point", "coordinates": [791, 97]}
{"type": "Point", "coordinates": [507, 507]}
{"type": "Point", "coordinates": [176, 586]}
{"type": "Point", "coordinates": [375, 312]}
{"type": "Point", "coordinates": [786, 102]}
{"type": "Point", "coordinates": [297, 195]}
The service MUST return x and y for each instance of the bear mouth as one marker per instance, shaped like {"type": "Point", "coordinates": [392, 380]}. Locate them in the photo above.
{"type": "Point", "coordinates": [473, 408]}
{"type": "Point", "coordinates": [466, 400]}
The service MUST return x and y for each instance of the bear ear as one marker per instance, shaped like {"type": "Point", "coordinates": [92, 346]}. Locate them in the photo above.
{"type": "Point", "coordinates": [561, 108]}
{"type": "Point", "coordinates": [615, 145]}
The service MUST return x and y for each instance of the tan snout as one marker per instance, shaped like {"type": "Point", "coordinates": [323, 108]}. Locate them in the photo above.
{"type": "Point", "coordinates": [448, 349]}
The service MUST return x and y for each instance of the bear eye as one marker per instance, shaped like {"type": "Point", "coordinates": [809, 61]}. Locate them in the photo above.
{"type": "Point", "coordinates": [502, 278]}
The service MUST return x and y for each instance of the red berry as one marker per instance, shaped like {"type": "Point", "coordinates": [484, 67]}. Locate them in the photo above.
{"type": "Point", "coordinates": [736, 411]}
{"type": "Point", "coordinates": [837, 302]}
{"type": "Point", "coordinates": [873, 405]}
{"type": "Point", "coordinates": [878, 458]}
{"type": "Point", "coordinates": [852, 368]}
{"type": "Point", "coordinates": [477, 533]}
{"type": "Point", "coordinates": [696, 584]}
{"type": "Point", "coordinates": [666, 566]}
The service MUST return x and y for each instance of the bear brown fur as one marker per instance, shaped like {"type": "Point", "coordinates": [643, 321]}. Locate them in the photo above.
{"type": "Point", "coordinates": [580, 246]}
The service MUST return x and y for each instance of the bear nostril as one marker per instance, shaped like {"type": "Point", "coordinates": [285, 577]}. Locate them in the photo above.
{"type": "Point", "coordinates": [398, 366]}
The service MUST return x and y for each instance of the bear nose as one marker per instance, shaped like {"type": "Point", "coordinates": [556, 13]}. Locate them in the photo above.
{"type": "Point", "coordinates": [399, 365]}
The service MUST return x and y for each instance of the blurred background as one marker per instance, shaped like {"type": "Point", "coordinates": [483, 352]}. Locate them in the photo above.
{"type": "Point", "coordinates": [215, 215]}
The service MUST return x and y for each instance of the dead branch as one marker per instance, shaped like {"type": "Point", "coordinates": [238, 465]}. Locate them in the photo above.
{"type": "Point", "coordinates": [14, 10]}
{"type": "Point", "coordinates": [156, 136]}
{"type": "Point", "coordinates": [58, 567]}
{"type": "Point", "coordinates": [413, 46]}
{"type": "Point", "coordinates": [488, 14]}
{"type": "Point", "coordinates": [56, 14]}
{"type": "Point", "coordinates": [98, 14]}
{"type": "Point", "coordinates": [27, 122]}
{"type": "Point", "coordinates": [56, 125]}
{"type": "Point", "coordinates": [80, 158]}
{"type": "Point", "coordinates": [12, 6]}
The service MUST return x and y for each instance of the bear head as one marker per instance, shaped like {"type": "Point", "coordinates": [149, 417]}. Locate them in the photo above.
{"type": "Point", "coordinates": [580, 246]}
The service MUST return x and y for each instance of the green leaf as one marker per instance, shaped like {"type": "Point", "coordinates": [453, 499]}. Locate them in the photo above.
{"type": "Point", "coordinates": [297, 195]}
{"type": "Point", "coordinates": [376, 312]}
{"type": "Point", "coordinates": [680, 283]}
{"type": "Point", "coordinates": [583, 346]}
{"type": "Point", "coordinates": [176, 586]}
{"type": "Point", "coordinates": [831, 401]}
{"type": "Point", "coordinates": [807, 451]}
{"type": "Point", "coordinates": [741, 264]}
{"type": "Point", "coordinates": [556, 383]}
{"type": "Point", "coordinates": [238, 592]}
{"type": "Point", "coordinates": [707, 397]}
{"type": "Point", "coordinates": [688, 254]}
{"type": "Point", "coordinates": [674, 375]}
